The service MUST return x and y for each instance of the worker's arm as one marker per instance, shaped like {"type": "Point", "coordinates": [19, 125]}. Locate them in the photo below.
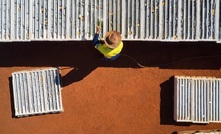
{"type": "Point", "coordinates": [95, 39]}
{"type": "Point", "coordinates": [96, 36]}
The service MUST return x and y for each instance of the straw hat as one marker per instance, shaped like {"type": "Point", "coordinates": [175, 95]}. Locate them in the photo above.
{"type": "Point", "coordinates": [112, 39]}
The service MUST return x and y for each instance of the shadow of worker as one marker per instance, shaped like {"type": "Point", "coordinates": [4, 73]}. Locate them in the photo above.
{"type": "Point", "coordinates": [83, 64]}
{"type": "Point", "coordinates": [87, 65]}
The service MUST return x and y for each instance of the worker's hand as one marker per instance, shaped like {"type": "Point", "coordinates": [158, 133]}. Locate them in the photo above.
{"type": "Point", "coordinates": [98, 29]}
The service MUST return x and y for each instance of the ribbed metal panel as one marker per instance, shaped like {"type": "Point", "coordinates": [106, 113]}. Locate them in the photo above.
{"type": "Point", "coordinates": [37, 92]}
{"type": "Point", "coordinates": [206, 132]}
{"type": "Point", "coordinates": [162, 20]}
{"type": "Point", "coordinates": [197, 99]}
{"type": "Point", "coordinates": [215, 131]}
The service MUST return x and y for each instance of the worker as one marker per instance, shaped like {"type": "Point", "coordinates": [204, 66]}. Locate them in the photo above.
{"type": "Point", "coordinates": [110, 47]}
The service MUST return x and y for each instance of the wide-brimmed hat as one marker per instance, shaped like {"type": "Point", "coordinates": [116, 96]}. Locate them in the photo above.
{"type": "Point", "coordinates": [112, 39]}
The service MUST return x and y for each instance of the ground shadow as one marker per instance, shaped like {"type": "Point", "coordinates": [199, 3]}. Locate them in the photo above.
{"type": "Point", "coordinates": [83, 58]}
{"type": "Point", "coordinates": [173, 55]}
{"type": "Point", "coordinates": [11, 97]}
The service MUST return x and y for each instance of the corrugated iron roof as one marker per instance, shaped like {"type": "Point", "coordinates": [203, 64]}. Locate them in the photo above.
{"type": "Point", "coordinates": [162, 20]}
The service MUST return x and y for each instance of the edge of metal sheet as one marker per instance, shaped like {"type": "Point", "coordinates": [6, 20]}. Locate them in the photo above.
{"type": "Point", "coordinates": [211, 131]}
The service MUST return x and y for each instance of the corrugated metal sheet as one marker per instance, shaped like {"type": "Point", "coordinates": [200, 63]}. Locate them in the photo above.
{"type": "Point", "coordinates": [215, 131]}
{"type": "Point", "coordinates": [163, 20]}
{"type": "Point", "coordinates": [197, 99]}
{"type": "Point", "coordinates": [208, 133]}
{"type": "Point", "coordinates": [37, 92]}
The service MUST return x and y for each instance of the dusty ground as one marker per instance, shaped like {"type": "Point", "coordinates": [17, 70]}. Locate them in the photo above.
{"type": "Point", "coordinates": [98, 97]}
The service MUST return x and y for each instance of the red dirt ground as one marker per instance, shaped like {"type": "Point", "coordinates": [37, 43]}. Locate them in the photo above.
{"type": "Point", "coordinates": [103, 98]}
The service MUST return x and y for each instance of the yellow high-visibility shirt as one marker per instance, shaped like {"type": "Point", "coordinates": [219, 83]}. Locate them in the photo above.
{"type": "Point", "coordinates": [108, 52]}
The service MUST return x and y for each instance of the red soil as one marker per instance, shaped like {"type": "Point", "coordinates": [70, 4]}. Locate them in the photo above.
{"type": "Point", "coordinates": [113, 97]}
